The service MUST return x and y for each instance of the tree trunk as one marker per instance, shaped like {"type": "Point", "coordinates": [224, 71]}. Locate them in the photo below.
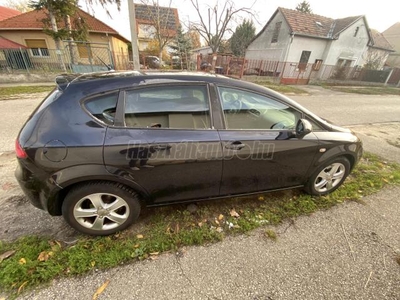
{"type": "Point", "coordinates": [57, 40]}
{"type": "Point", "coordinates": [71, 46]}
{"type": "Point", "coordinates": [160, 57]}
{"type": "Point", "coordinates": [214, 61]}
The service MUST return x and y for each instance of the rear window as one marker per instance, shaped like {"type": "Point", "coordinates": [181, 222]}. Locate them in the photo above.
{"type": "Point", "coordinates": [103, 107]}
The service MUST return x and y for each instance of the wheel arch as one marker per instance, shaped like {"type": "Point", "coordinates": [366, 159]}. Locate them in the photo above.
{"type": "Point", "coordinates": [335, 152]}
{"type": "Point", "coordinates": [54, 204]}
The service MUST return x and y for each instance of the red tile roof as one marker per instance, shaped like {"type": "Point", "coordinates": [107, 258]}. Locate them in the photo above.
{"type": "Point", "coordinates": [6, 13]}
{"type": "Point", "coordinates": [33, 21]}
{"type": "Point", "coordinates": [315, 25]}
{"type": "Point", "coordinates": [379, 41]}
{"type": "Point", "coordinates": [7, 44]}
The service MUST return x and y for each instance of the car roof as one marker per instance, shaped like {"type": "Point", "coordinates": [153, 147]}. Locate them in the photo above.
{"type": "Point", "coordinates": [99, 81]}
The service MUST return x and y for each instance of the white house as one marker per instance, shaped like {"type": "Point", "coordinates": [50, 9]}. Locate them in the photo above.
{"type": "Point", "coordinates": [392, 34]}
{"type": "Point", "coordinates": [301, 38]}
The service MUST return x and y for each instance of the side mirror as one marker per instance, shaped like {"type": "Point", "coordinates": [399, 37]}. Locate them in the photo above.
{"type": "Point", "coordinates": [303, 128]}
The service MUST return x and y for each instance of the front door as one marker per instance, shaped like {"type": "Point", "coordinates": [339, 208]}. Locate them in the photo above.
{"type": "Point", "coordinates": [259, 149]}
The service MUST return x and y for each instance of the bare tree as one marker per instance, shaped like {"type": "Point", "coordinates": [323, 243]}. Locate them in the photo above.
{"type": "Point", "coordinates": [103, 3]}
{"type": "Point", "coordinates": [161, 22]}
{"type": "Point", "coordinates": [217, 22]}
{"type": "Point", "coordinates": [374, 59]}
{"type": "Point", "coordinates": [20, 5]}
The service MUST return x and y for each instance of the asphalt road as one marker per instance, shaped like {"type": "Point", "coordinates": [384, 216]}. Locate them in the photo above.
{"type": "Point", "coordinates": [347, 252]}
{"type": "Point", "coordinates": [350, 109]}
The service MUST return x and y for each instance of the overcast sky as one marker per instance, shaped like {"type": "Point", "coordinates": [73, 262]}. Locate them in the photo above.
{"type": "Point", "coordinates": [381, 14]}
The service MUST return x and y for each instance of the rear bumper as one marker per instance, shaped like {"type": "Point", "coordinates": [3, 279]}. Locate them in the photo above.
{"type": "Point", "coordinates": [40, 190]}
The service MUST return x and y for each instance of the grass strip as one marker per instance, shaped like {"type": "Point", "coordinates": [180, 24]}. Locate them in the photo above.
{"type": "Point", "coordinates": [281, 88]}
{"type": "Point", "coordinates": [6, 92]}
{"type": "Point", "coordinates": [36, 260]}
{"type": "Point", "coordinates": [366, 90]}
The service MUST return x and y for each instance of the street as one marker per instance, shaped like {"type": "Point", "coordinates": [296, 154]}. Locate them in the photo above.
{"type": "Point", "coordinates": [346, 252]}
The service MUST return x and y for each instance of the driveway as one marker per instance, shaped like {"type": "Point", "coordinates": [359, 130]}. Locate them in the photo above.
{"type": "Point", "coordinates": [347, 252]}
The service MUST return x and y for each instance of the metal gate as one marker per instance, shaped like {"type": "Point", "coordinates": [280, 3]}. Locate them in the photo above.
{"type": "Point", "coordinates": [395, 77]}
{"type": "Point", "coordinates": [85, 57]}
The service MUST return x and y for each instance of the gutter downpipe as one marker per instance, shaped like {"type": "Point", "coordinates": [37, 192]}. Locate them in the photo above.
{"type": "Point", "coordinates": [287, 54]}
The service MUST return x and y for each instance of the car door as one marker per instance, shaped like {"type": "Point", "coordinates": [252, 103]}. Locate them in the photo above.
{"type": "Point", "coordinates": [260, 150]}
{"type": "Point", "coordinates": [166, 143]}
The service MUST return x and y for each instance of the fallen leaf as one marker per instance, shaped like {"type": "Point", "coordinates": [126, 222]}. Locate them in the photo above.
{"type": "Point", "coordinates": [200, 224]}
{"type": "Point", "coordinates": [7, 186]}
{"type": "Point", "coordinates": [154, 253]}
{"type": "Point", "coordinates": [216, 221]}
{"type": "Point", "coordinates": [139, 236]}
{"type": "Point", "coordinates": [22, 287]}
{"type": "Point", "coordinates": [234, 213]}
{"type": "Point", "coordinates": [261, 198]}
{"type": "Point", "coordinates": [220, 217]}
{"type": "Point", "coordinates": [43, 256]}
{"type": "Point", "coordinates": [93, 263]}
{"type": "Point", "coordinates": [22, 261]}
{"type": "Point", "coordinates": [6, 255]}
{"type": "Point", "coordinates": [100, 290]}
{"type": "Point", "coordinates": [136, 246]}
{"type": "Point", "coordinates": [219, 229]}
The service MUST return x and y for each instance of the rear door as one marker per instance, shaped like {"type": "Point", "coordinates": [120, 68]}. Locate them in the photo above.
{"type": "Point", "coordinates": [167, 143]}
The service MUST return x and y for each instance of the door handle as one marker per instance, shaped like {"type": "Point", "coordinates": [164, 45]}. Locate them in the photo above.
{"type": "Point", "coordinates": [235, 146]}
{"type": "Point", "coordinates": [162, 147]}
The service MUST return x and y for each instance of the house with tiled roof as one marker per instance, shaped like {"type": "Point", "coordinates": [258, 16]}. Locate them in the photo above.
{"type": "Point", "coordinates": [145, 17]}
{"type": "Point", "coordinates": [6, 12]}
{"type": "Point", "coordinates": [301, 38]}
{"type": "Point", "coordinates": [28, 30]}
{"type": "Point", "coordinates": [392, 34]}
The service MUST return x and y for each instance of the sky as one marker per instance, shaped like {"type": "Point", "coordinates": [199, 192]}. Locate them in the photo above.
{"type": "Point", "coordinates": [381, 14]}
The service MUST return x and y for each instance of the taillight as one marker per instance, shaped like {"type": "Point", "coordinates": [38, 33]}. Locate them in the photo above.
{"type": "Point", "coordinates": [19, 151]}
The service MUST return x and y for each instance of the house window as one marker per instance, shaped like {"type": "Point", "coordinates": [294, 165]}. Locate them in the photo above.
{"type": "Point", "coordinates": [317, 65]}
{"type": "Point", "coordinates": [276, 32]}
{"type": "Point", "coordinates": [84, 50]}
{"type": "Point", "coordinates": [305, 56]}
{"type": "Point", "coordinates": [38, 47]}
{"type": "Point", "coordinates": [344, 63]}
{"type": "Point", "coordinates": [356, 31]}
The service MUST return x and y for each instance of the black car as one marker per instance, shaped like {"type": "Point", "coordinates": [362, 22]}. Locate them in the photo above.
{"type": "Point", "coordinates": [102, 145]}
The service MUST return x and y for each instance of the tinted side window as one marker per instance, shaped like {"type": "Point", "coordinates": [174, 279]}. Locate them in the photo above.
{"type": "Point", "coordinates": [184, 107]}
{"type": "Point", "coordinates": [103, 107]}
{"type": "Point", "coordinates": [247, 110]}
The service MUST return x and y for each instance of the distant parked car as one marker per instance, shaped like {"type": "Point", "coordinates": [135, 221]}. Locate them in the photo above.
{"type": "Point", "coordinates": [152, 62]}
{"type": "Point", "coordinates": [103, 145]}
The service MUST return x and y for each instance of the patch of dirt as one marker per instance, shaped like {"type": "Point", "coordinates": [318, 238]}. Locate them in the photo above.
{"type": "Point", "coordinates": [18, 216]}
{"type": "Point", "coordinates": [381, 131]}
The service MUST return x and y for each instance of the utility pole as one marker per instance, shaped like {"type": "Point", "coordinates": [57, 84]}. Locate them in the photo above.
{"type": "Point", "coordinates": [135, 44]}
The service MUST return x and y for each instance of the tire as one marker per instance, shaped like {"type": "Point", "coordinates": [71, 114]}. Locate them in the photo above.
{"type": "Point", "coordinates": [328, 177]}
{"type": "Point", "coordinates": [101, 208]}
